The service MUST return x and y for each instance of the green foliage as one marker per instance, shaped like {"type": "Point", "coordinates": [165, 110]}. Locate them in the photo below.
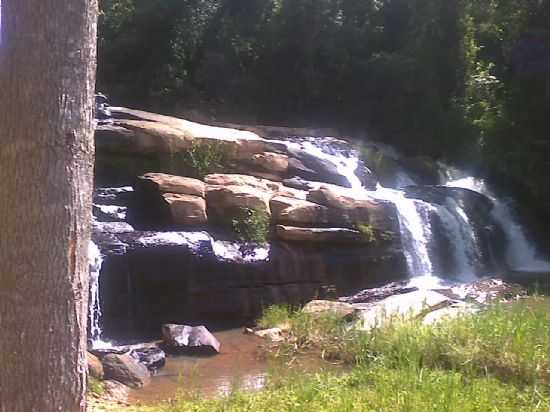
{"type": "Point", "coordinates": [433, 77]}
{"type": "Point", "coordinates": [204, 158]}
{"type": "Point", "coordinates": [274, 316]}
{"type": "Point", "coordinates": [95, 387]}
{"type": "Point", "coordinates": [251, 225]}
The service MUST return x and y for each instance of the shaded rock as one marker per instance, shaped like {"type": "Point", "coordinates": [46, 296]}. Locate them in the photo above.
{"type": "Point", "coordinates": [340, 309]}
{"type": "Point", "coordinates": [310, 167]}
{"type": "Point", "coordinates": [187, 337]}
{"type": "Point", "coordinates": [438, 194]}
{"type": "Point", "coordinates": [377, 294]}
{"type": "Point", "coordinates": [300, 184]}
{"type": "Point", "coordinates": [303, 234]}
{"type": "Point", "coordinates": [125, 369]}
{"type": "Point", "coordinates": [186, 210]}
{"type": "Point", "coordinates": [425, 169]}
{"type": "Point", "coordinates": [95, 367]}
{"type": "Point", "coordinates": [152, 357]}
{"type": "Point", "coordinates": [165, 183]}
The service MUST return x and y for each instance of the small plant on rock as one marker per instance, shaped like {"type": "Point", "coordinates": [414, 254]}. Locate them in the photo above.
{"type": "Point", "coordinates": [205, 158]}
{"type": "Point", "coordinates": [251, 225]}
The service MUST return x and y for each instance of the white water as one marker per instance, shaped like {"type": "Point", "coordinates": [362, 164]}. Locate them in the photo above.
{"type": "Point", "coordinates": [94, 307]}
{"type": "Point", "coordinates": [461, 237]}
{"type": "Point", "coordinates": [521, 254]}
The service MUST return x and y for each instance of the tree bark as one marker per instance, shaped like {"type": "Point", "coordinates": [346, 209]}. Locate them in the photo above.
{"type": "Point", "coordinates": [47, 76]}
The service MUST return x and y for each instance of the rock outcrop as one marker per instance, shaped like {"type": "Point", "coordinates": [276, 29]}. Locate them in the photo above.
{"type": "Point", "coordinates": [189, 337]}
{"type": "Point", "coordinates": [125, 369]}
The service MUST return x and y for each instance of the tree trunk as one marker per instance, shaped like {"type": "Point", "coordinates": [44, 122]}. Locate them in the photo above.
{"type": "Point", "coordinates": [47, 74]}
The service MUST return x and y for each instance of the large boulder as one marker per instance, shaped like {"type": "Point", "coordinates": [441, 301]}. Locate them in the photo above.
{"type": "Point", "coordinates": [189, 337]}
{"type": "Point", "coordinates": [404, 306]}
{"type": "Point", "coordinates": [152, 357]}
{"type": "Point", "coordinates": [95, 367]}
{"type": "Point", "coordinates": [165, 183]}
{"type": "Point", "coordinates": [221, 179]}
{"type": "Point", "coordinates": [125, 369]}
{"type": "Point", "coordinates": [186, 210]}
{"type": "Point", "coordinates": [339, 309]}
{"type": "Point", "coordinates": [311, 167]}
{"type": "Point", "coordinates": [222, 199]}
{"type": "Point", "coordinates": [308, 234]}
{"type": "Point", "coordinates": [297, 211]}
{"type": "Point", "coordinates": [274, 162]}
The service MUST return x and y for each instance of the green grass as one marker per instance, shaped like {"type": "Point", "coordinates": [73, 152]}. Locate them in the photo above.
{"type": "Point", "coordinates": [497, 360]}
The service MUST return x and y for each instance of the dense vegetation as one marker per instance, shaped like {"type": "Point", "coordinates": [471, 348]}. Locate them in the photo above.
{"type": "Point", "coordinates": [463, 80]}
{"type": "Point", "coordinates": [498, 360]}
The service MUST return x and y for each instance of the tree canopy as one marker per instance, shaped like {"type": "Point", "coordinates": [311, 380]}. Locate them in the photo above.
{"type": "Point", "coordinates": [463, 80]}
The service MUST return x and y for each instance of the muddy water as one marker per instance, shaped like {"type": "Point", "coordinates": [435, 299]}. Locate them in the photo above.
{"type": "Point", "coordinates": [239, 365]}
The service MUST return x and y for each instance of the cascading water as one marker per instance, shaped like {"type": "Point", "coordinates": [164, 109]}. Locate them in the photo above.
{"type": "Point", "coordinates": [413, 214]}
{"type": "Point", "coordinates": [94, 311]}
{"type": "Point", "coordinates": [461, 237]}
{"type": "Point", "coordinates": [521, 255]}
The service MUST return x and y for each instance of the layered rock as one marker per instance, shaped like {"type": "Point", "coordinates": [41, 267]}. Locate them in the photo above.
{"type": "Point", "coordinates": [138, 141]}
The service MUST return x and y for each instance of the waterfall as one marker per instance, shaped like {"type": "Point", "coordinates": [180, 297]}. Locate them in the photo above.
{"type": "Point", "coordinates": [461, 238]}
{"type": "Point", "coordinates": [94, 307]}
{"type": "Point", "coordinates": [415, 228]}
{"type": "Point", "coordinates": [413, 215]}
{"type": "Point", "coordinates": [521, 254]}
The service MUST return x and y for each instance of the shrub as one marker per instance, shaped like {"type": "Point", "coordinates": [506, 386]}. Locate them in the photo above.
{"type": "Point", "coordinates": [204, 158]}
{"type": "Point", "coordinates": [251, 225]}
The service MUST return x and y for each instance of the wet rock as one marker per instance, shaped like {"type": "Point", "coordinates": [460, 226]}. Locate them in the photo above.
{"type": "Point", "coordinates": [438, 194]}
{"type": "Point", "coordinates": [152, 357]}
{"type": "Point", "coordinates": [310, 167]}
{"type": "Point", "coordinates": [95, 367]}
{"type": "Point", "coordinates": [198, 283]}
{"type": "Point", "coordinates": [340, 309]}
{"type": "Point", "coordinates": [488, 290]}
{"type": "Point", "coordinates": [165, 183]}
{"type": "Point", "coordinates": [189, 337]}
{"type": "Point", "coordinates": [186, 210]}
{"type": "Point", "coordinates": [376, 294]}
{"type": "Point", "coordinates": [303, 234]}
{"type": "Point", "coordinates": [125, 369]}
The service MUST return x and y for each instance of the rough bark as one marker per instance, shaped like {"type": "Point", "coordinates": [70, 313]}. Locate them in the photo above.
{"type": "Point", "coordinates": [47, 75]}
